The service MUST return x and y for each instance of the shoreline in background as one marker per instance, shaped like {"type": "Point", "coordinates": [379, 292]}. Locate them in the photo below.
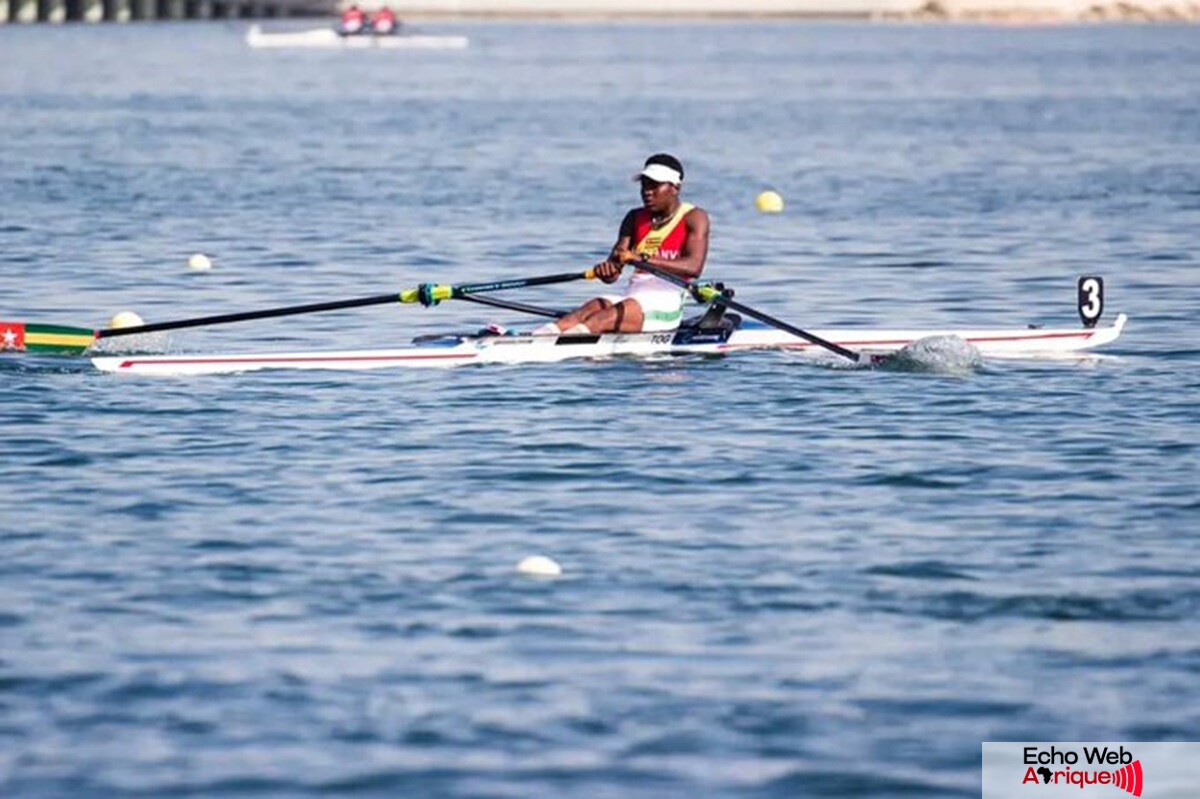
{"type": "Point", "coordinates": [963, 12]}
{"type": "Point", "coordinates": [1114, 13]}
{"type": "Point", "coordinates": [971, 12]}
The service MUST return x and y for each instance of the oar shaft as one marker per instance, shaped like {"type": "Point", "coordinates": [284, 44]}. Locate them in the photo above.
{"type": "Point", "coordinates": [60, 339]}
{"type": "Point", "coordinates": [522, 307]}
{"type": "Point", "coordinates": [502, 285]}
{"type": "Point", "coordinates": [719, 296]}
{"type": "Point", "coordinates": [785, 327]}
{"type": "Point", "coordinates": [221, 319]}
{"type": "Point", "coordinates": [431, 292]}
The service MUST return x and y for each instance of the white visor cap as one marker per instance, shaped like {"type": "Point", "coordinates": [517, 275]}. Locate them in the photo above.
{"type": "Point", "coordinates": [660, 173]}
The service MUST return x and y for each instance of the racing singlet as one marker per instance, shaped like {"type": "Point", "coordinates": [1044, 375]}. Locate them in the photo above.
{"type": "Point", "coordinates": [665, 242]}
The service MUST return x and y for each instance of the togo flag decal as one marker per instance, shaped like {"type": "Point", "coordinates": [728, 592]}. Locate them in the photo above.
{"type": "Point", "coordinates": [12, 336]}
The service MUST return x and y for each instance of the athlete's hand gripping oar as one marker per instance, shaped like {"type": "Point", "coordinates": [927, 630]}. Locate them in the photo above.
{"type": "Point", "coordinates": [709, 294]}
{"type": "Point", "coordinates": [61, 339]}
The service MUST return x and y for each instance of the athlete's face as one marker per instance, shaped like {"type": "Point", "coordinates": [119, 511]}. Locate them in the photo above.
{"type": "Point", "coordinates": [658, 196]}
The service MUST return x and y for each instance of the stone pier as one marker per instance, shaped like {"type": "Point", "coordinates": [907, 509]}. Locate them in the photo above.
{"type": "Point", "coordinates": [56, 11]}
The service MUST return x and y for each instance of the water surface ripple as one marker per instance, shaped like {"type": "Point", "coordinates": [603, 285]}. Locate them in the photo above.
{"type": "Point", "coordinates": [780, 578]}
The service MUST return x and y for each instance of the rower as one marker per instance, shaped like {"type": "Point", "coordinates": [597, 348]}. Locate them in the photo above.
{"type": "Point", "coordinates": [664, 232]}
{"type": "Point", "coordinates": [353, 21]}
{"type": "Point", "coordinates": [383, 22]}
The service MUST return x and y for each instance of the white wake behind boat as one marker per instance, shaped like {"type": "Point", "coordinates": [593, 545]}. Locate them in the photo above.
{"type": "Point", "coordinates": [459, 350]}
{"type": "Point", "coordinates": [329, 39]}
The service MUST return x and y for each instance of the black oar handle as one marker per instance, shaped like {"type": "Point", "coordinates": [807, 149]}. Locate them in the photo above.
{"type": "Point", "coordinates": [724, 298]}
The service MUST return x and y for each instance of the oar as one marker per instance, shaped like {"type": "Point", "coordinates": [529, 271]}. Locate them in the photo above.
{"type": "Point", "coordinates": [61, 339]}
{"type": "Point", "coordinates": [709, 294]}
{"type": "Point", "coordinates": [431, 294]}
{"type": "Point", "coordinates": [509, 305]}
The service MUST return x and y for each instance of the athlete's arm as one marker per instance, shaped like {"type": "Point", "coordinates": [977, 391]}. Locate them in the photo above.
{"type": "Point", "coordinates": [609, 271]}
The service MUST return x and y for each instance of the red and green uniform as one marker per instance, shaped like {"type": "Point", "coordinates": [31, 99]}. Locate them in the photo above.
{"type": "Point", "coordinates": [661, 302]}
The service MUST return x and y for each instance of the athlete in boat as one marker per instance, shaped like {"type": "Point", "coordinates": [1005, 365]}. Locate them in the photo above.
{"type": "Point", "coordinates": [665, 232]}
{"type": "Point", "coordinates": [353, 21]}
{"type": "Point", "coordinates": [383, 22]}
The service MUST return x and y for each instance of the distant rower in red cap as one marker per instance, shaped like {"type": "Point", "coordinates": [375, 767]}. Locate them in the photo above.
{"type": "Point", "coordinates": [665, 233]}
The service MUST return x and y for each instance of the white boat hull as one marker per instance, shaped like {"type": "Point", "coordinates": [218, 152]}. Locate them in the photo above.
{"type": "Point", "coordinates": [462, 350]}
{"type": "Point", "coordinates": [329, 39]}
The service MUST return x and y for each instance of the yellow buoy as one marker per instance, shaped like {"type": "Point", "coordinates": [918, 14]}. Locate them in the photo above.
{"type": "Point", "coordinates": [125, 319]}
{"type": "Point", "coordinates": [769, 202]}
{"type": "Point", "coordinates": [199, 261]}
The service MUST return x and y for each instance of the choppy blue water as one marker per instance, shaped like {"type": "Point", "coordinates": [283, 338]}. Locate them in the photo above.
{"type": "Point", "coordinates": [779, 579]}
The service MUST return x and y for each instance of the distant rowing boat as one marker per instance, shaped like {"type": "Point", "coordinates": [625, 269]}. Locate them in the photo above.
{"type": "Point", "coordinates": [459, 350]}
{"type": "Point", "coordinates": [329, 39]}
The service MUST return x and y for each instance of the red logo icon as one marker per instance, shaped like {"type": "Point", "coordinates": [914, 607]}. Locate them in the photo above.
{"type": "Point", "coordinates": [1130, 778]}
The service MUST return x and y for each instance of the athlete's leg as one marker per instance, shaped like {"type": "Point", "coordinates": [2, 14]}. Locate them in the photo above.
{"type": "Point", "coordinates": [576, 317]}
{"type": "Point", "coordinates": [624, 317]}
{"type": "Point", "coordinates": [660, 310]}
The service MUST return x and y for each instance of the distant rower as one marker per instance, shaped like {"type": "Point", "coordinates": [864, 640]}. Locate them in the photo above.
{"type": "Point", "coordinates": [353, 21]}
{"type": "Point", "coordinates": [383, 22]}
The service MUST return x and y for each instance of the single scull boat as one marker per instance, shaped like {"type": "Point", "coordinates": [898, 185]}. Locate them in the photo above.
{"type": "Point", "coordinates": [329, 39]}
{"type": "Point", "coordinates": [718, 331]}
{"type": "Point", "coordinates": [730, 336]}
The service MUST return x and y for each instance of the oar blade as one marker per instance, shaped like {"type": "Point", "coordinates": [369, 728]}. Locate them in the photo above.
{"type": "Point", "coordinates": [48, 339]}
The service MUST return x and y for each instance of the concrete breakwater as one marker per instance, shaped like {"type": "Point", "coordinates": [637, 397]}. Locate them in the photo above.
{"type": "Point", "coordinates": [28, 11]}
{"type": "Point", "coordinates": [977, 11]}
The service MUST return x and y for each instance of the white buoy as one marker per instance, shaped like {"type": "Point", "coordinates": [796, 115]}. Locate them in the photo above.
{"type": "Point", "coordinates": [769, 202]}
{"type": "Point", "coordinates": [125, 319]}
{"type": "Point", "coordinates": [539, 566]}
{"type": "Point", "coordinates": [199, 262]}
